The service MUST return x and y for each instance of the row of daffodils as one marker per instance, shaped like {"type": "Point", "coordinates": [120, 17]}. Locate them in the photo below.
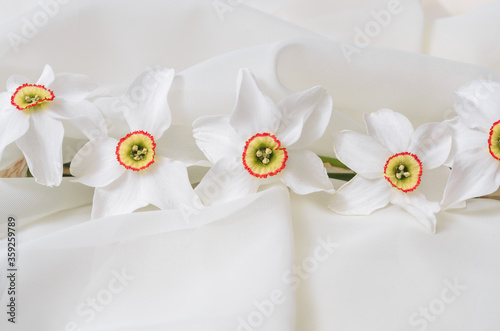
{"type": "Point", "coordinates": [424, 170]}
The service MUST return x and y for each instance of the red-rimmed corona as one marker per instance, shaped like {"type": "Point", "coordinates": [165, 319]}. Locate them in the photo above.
{"type": "Point", "coordinates": [136, 151]}
{"type": "Point", "coordinates": [263, 155]}
{"type": "Point", "coordinates": [494, 140]}
{"type": "Point", "coordinates": [403, 171]}
{"type": "Point", "coordinates": [31, 95]}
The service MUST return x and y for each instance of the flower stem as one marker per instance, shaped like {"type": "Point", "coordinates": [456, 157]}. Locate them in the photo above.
{"type": "Point", "coordinates": [341, 176]}
{"type": "Point", "coordinates": [333, 162]}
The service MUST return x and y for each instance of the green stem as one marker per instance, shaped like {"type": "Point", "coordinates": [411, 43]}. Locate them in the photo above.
{"type": "Point", "coordinates": [344, 177]}
{"type": "Point", "coordinates": [333, 162]}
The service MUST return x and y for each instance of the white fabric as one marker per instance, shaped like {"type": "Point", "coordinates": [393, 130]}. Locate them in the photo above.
{"type": "Point", "coordinates": [366, 273]}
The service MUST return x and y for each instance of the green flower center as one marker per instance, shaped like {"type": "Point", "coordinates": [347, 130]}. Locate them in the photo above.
{"type": "Point", "coordinates": [494, 140]}
{"type": "Point", "coordinates": [31, 95]}
{"type": "Point", "coordinates": [136, 151]}
{"type": "Point", "coordinates": [403, 171]}
{"type": "Point", "coordinates": [263, 155]}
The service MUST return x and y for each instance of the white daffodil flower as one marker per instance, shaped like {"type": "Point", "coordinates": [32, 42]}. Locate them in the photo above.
{"type": "Point", "coordinates": [394, 164]}
{"type": "Point", "coordinates": [133, 172]}
{"type": "Point", "coordinates": [476, 162]}
{"type": "Point", "coordinates": [32, 117]}
{"type": "Point", "coordinates": [262, 142]}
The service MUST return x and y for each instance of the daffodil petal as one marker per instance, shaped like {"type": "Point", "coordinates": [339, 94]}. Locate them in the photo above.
{"type": "Point", "coordinates": [478, 104]}
{"type": "Point", "coordinates": [431, 143]}
{"type": "Point", "coordinates": [304, 117]}
{"type": "Point", "coordinates": [304, 173]}
{"type": "Point", "coordinates": [14, 82]}
{"type": "Point", "coordinates": [465, 138]}
{"type": "Point", "coordinates": [226, 180]}
{"type": "Point", "coordinates": [47, 76]}
{"type": "Point", "coordinates": [433, 183]}
{"type": "Point", "coordinates": [254, 112]}
{"type": "Point", "coordinates": [166, 185]}
{"type": "Point", "coordinates": [42, 148]}
{"type": "Point", "coordinates": [475, 173]}
{"type": "Point", "coordinates": [393, 130]}
{"type": "Point", "coordinates": [74, 87]}
{"type": "Point", "coordinates": [122, 196]}
{"type": "Point", "coordinates": [113, 109]}
{"type": "Point", "coordinates": [416, 204]}
{"type": "Point", "coordinates": [216, 138]}
{"type": "Point", "coordinates": [361, 153]}
{"type": "Point", "coordinates": [13, 125]}
{"type": "Point", "coordinates": [82, 114]}
{"type": "Point", "coordinates": [361, 196]}
{"type": "Point", "coordinates": [95, 164]}
{"type": "Point", "coordinates": [178, 143]}
{"type": "Point", "coordinates": [145, 103]}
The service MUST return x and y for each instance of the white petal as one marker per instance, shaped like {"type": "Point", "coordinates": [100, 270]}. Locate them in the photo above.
{"type": "Point", "coordinates": [178, 143]}
{"type": "Point", "coordinates": [145, 102]}
{"type": "Point", "coordinates": [475, 173]}
{"type": "Point", "coordinates": [42, 148]}
{"type": "Point", "coordinates": [113, 109]}
{"type": "Point", "coordinates": [419, 207]}
{"type": "Point", "coordinates": [361, 196]}
{"type": "Point", "coordinates": [95, 164]}
{"type": "Point", "coordinates": [122, 196]}
{"type": "Point", "coordinates": [166, 185]}
{"type": "Point", "coordinates": [15, 81]}
{"type": "Point", "coordinates": [433, 183]}
{"type": "Point", "coordinates": [225, 181]}
{"type": "Point", "coordinates": [13, 125]}
{"type": "Point", "coordinates": [73, 87]}
{"type": "Point", "coordinates": [304, 117]}
{"type": "Point", "coordinates": [478, 104]}
{"type": "Point", "coordinates": [83, 114]}
{"type": "Point", "coordinates": [391, 129]}
{"type": "Point", "coordinates": [254, 112]}
{"type": "Point", "coordinates": [361, 154]}
{"type": "Point", "coordinates": [465, 138]}
{"type": "Point", "coordinates": [216, 137]}
{"type": "Point", "coordinates": [47, 76]}
{"type": "Point", "coordinates": [304, 173]}
{"type": "Point", "coordinates": [431, 143]}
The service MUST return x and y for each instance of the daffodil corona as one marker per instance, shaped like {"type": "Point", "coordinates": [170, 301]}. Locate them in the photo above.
{"type": "Point", "coordinates": [30, 96]}
{"type": "Point", "coordinates": [403, 171]}
{"type": "Point", "coordinates": [494, 140]}
{"type": "Point", "coordinates": [136, 151]}
{"type": "Point", "coordinates": [263, 155]}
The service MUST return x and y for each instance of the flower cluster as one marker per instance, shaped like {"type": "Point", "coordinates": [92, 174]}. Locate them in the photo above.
{"type": "Point", "coordinates": [132, 158]}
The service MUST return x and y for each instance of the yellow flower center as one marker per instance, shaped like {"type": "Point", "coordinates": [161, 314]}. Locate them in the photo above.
{"type": "Point", "coordinates": [136, 151]}
{"type": "Point", "coordinates": [31, 95]}
{"type": "Point", "coordinates": [494, 140]}
{"type": "Point", "coordinates": [403, 171]}
{"type": "Point", "coordinates": [263, 155]}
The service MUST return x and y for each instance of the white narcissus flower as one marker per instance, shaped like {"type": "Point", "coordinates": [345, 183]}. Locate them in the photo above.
{"type": "Point", "coordinates": [133, 172]}
{"type": "Point", "coordinates": [263, 142]}
{"type": "Point", "coordinates": [394, 164]}
{"type": "Point", "coordinates": [32, 117]}
{"type": "Point", "coordinates": [476, 162]}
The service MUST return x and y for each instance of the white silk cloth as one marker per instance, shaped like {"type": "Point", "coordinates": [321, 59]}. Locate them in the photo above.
{"type": "Point", "coordinates": [274, 260]}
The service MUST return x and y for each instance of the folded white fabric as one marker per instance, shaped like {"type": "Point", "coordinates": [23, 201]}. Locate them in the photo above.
{"type": "Point", "coordinates": [386, 273]}
{"type": "Point", "coordinates": [218, 268]}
